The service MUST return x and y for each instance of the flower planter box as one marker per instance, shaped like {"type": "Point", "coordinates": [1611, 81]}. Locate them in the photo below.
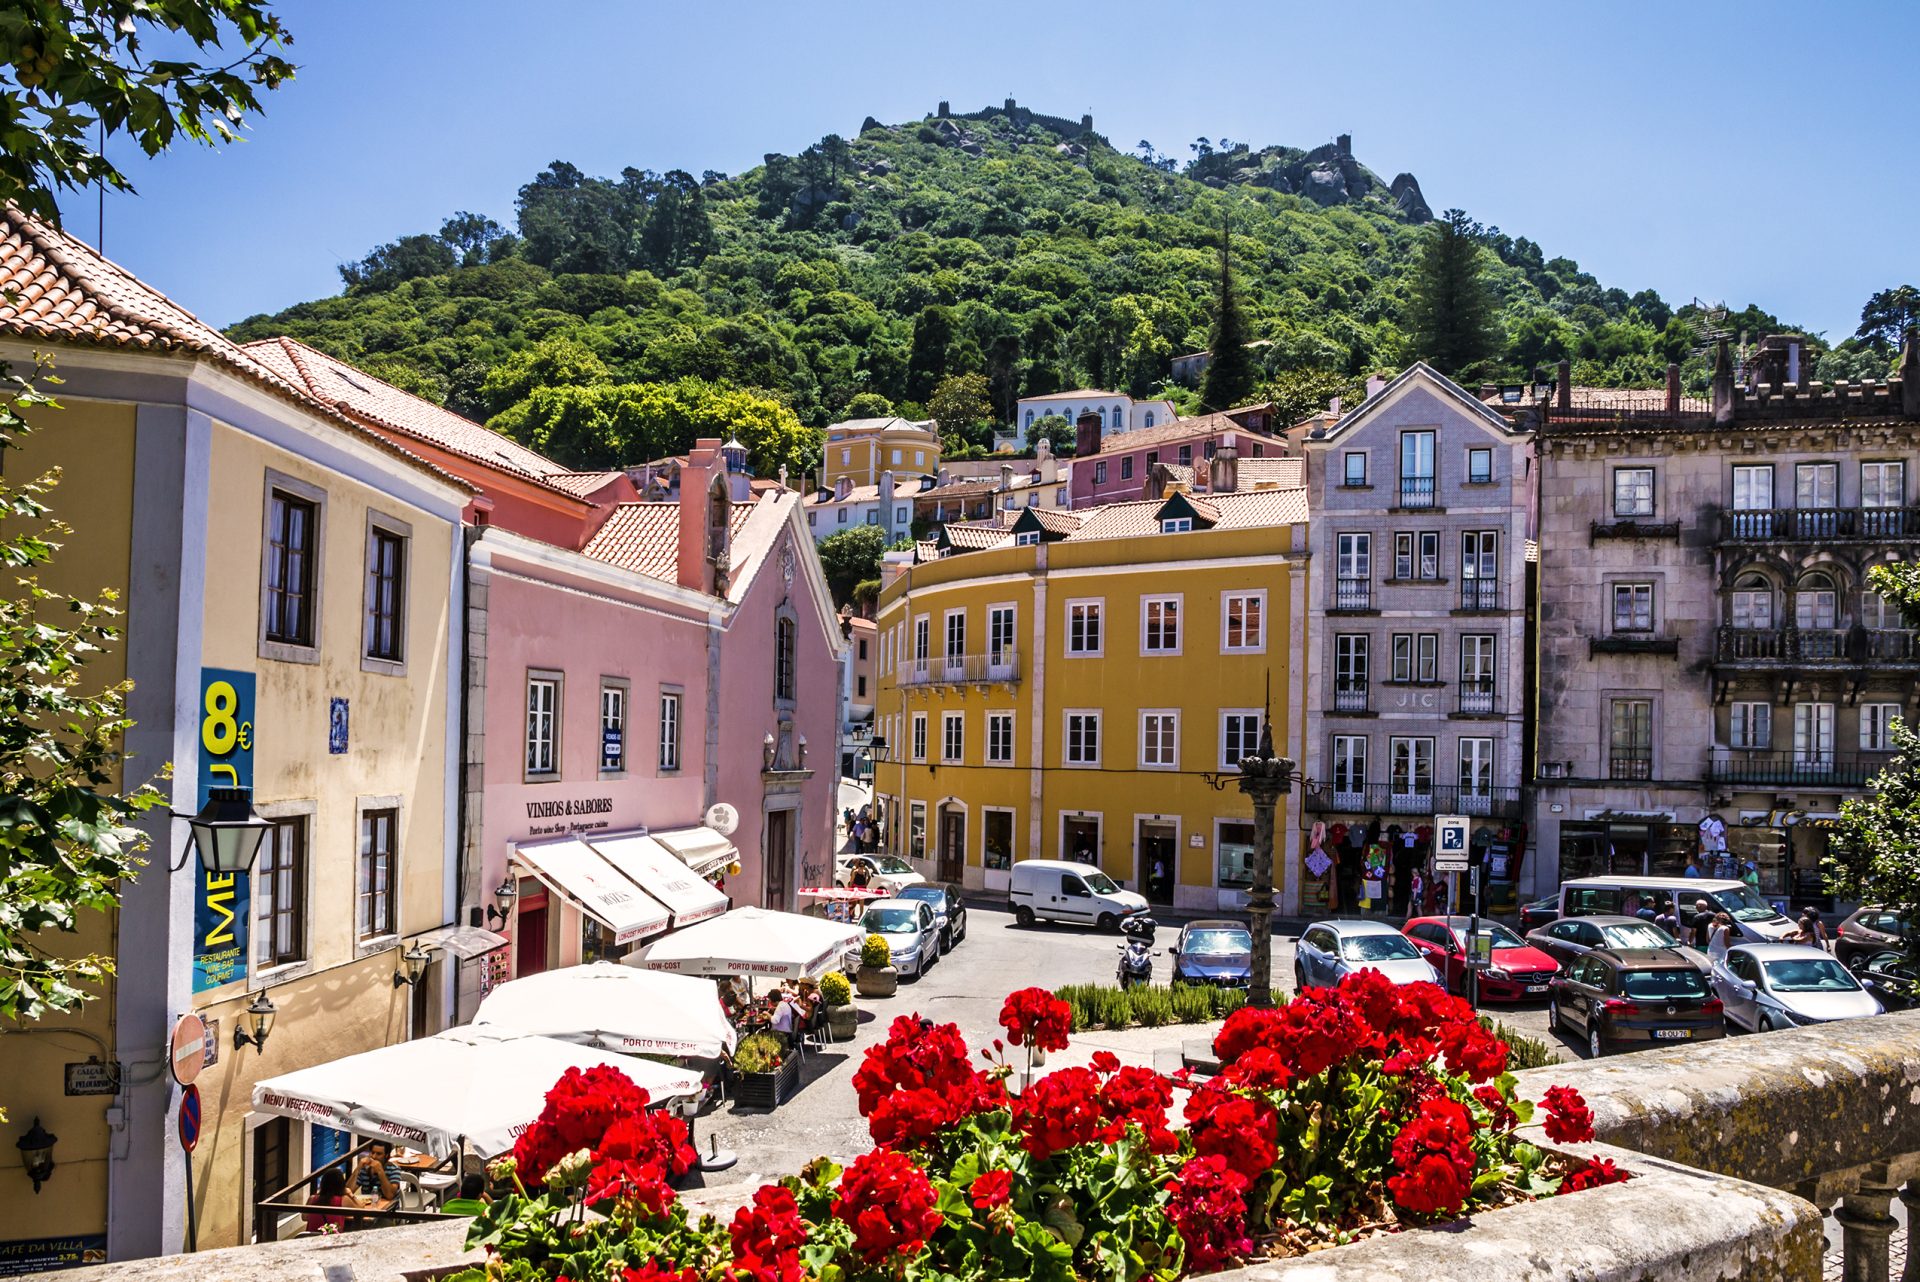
{"type": "Point", "coordinates": [769, 1090]}
{"type": "Point", "coordinates": [877, 981]}
{"type": "Point", "coordinates": [842, 1023]}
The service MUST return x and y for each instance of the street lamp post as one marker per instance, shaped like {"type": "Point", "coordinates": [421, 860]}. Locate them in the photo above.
{"type": "Point", "coordinates": [1263, 777]}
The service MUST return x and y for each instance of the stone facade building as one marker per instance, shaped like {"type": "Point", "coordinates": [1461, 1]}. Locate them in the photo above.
{"type": "Point", "coordinates": [1710, 656]}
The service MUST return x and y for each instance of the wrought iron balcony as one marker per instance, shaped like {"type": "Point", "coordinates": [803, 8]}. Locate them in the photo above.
{"type": "Point", "coordinates": [1477, 696]}
{"type": "Point", "coordinates": [1416, 491]}
{"type": "Point", "coordinates": [1352, 594]}
{"type": "Point", "coordinates": [1821, 524]}
{"type": "Point", "coordinates": [1350, 696]}
{"type": "Point", "coordinates": [965, 669]}
{"type": "Point", "coordinates": [1836, 646]}
{"type": "Point", "coordinates": [1623, 767]}
{"type": "Point", "coordinates": [1423, 800]}
{"type": "Point", "coordinates": [1480, 595]}
{"type": "Point", "coordinates": [1796, 769]}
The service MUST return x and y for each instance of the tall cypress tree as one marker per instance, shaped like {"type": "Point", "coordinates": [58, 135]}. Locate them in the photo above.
{"type": "Point", "coordinates": [1230, 368]}
{"type": "Point", "coordinates": [1451, 322]}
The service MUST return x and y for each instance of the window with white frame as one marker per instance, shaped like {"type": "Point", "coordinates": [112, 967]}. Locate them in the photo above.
{"type": "Point", "coordinates": [1410, 764]}
{"type": "Point", "coordinates": [386, 594]}
{"type": "Point", "coordinates": [1177, 525]}
{"type": "Point", "coordinates": [543, 724]}
{"type": "Point", "coordinates": [1160, 740]}
{"type": "Point", "coordinates": [1353, 552]}
{"type": "Point", "coordinates": [1751, 725]}
{"type": "Point", "coordinates": [1349, 769]}
{"type": "Point", "coordinates": [1083, 739]}
{"type": "Point", "coordinates": [1083, 627]}
{"type": "Point", "coordinates": [1355, 469]}
{"type": "Point", "coordinates": [1479, 466]}
{"type": "Point", "coordinates": [1160, 625]}
{"type": "Point", "coordinates": [1416, 555]}
{"type": "Point", "coordinates": [956, 635]}
{"type": "Point", "coordinates": [374, 900]}
{"type": "Point", "coordinates": [953, 742]}
{"type": "Point", "coordinates": [999, 738]}
{"type": "Point", "coordinates": [1243, 622]}
{"type": "Point", "coordinates": [1633, 607]}
{"type": "Point", "coordinates": [1476, 769]}
{"type": "Point", "coordinates": [999, 634]}
{"type": "Point", "coordinates": [1416, 657]}
{"type": "Point", "coordinates": [613, 727]}
{"type": "Point", "coordinates": [1239, 735]}
{"type": "Point", "coordinates": [919, 736]}
{"type": "Point", "coordinates": [1876, 722]}
{"type": "Point", "coordinates": [922, 641]}
{"type": "Point", "coordinates": [1752, 602]}
{"type": "Point", "coordinates": [917, 831]}
{"type": "Point", "coordinates": [1026, 539]}
{"type": "Point", "coordinates": [1633, 491]}
{"type": "Point", "coordinates": [669, 730]}
{"type": "Point", "coordinates": [1883, 484]}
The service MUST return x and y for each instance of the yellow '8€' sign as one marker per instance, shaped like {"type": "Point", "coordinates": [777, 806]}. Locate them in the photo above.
{"type": "Point", "coordinates": [220, 731]}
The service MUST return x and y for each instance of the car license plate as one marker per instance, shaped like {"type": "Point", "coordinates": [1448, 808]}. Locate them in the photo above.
{"type": "Point", "coordinates": [1672, 1034]}
{"type": "Point", "coordinates": [1536, 988]}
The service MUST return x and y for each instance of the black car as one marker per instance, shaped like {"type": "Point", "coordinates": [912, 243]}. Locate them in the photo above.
{"type": "Point", "coordinates": [1892, 977]}
{"type": "Point", "coordinates": [1574, 937]}
{"type": "Point", "coordinates": [1214, 952]}
{"type": "Point", "coordinates": [1539, 913]}
{"type": "Point", "coordinates": [948, 908]}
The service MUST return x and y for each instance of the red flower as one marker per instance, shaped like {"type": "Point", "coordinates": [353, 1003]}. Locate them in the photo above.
{"type": "Point", "coordinates": [1105, 1062]}
{"type": "Point", "coordinates": [1060, 1111]}
{"type": "Point", "coordinates": [1314, 1031]}
{"type": "Point", "coordinates": [1035, 1017]}
{"type": "Point", "coordinates": [1433, 1158]}
{"type": "Point", "coordinates": [1501, 1113]}
{"type": "Point", "coordinates": [767, 1237]}
{"type": "Point", "coordinates": [1241, 1130]}
{"type": "Point", "coordinates": [1592, 1174]}
{"type": "Point", "coordinates": [918, 1083]}
{"type": "Point", "coordinates": [654, 1271]}
{"type": "Point", "coordinates": [1208, 1206]}
{"type": "Point", "coordinates": [1569, 1120]}
{"type": "Point", "coordinates": [636, 1159]}
{"type": "Point", "coordinates": [994, 1188]}
{"type": "Point", "coordinates": [1259, 1068]}
{"type": "Point", "coordinates": [1472, 1050]}
{"type": "Point", "coordinates": [889, 1203]}
{"type": "Point", "coordinates": [1136, 1096]}
{"type": "Point", "coordinates": [579, 1109]}
{"type": "Point", "coordinates": [1246, 1028]}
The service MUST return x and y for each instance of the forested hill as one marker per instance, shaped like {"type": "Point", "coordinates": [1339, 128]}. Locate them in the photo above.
{"type": "Point", "coordinates": [1023, 248]}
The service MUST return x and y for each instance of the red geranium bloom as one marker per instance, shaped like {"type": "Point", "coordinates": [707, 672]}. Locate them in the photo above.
{"type": "Point", "coordinates": [1569, 1120]}
{"type": "Point", "coordinates": [918, 1083]}
{"type": "Point", "coordinates": [1208, 1206]}
{"type": "Point", "coordinates": [1035, 1017]}
{"type": "Point", "coordinates": [1503, 1116]}
{"type": "Point", "coordinates": [991, 1189]}
{"type": "Point", "coordinates": [1246, 1028]}
{"type": "Point", "coordinates": [1105, 1062]}
{"type": "Point", "coordinates": [1060, 1111]}
{"type": "Point", "coordinates": [1241, 1130]}
{"type": "Point", "coordinates": [767, 1237]}
{"type": "Point", "coordinates": [1433, 1158]}
{"type": "Point", "coordinates": [1472, 1050]}
{"type": "Point", "coordinates": [578, 1111]}
{"type": "Point", "coordinates": [889, 1203]}
{"type": "Point", "coordinates": [1259, 1068]}
{"type": "Point", "coordinates": [1592, 1174]}
{"type": "Point", "coordinates": [654, 1271]}
{"type": "Point", "coordinates": [1136, 1096]}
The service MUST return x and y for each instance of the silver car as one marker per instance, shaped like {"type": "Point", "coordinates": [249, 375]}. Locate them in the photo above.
{"type": "Point", "coordinates": [1328, 951]}
{"type": "Point", "coordinates": [1769, 986]}
{"type": "Point", "coordinates": [910, 929]}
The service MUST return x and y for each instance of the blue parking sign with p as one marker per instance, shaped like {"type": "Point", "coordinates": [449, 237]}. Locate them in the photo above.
{"type": "Point", "coordinates": [1453, 834]}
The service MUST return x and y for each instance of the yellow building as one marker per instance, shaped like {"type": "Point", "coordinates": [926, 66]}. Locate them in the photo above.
{"type": "Point", "coordinates": [1082, 687]}
{"type": "Point", "coordinates": [860, 449]}
{"type": "Point", "coordinates": [289, 580]}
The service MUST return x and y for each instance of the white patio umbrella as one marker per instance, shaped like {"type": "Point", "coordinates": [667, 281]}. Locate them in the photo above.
{"type": "Point", "coordinates": [752, 942]}
{"type": "Point", "coordinates": [618, 1008]}
{"type": "Point", "coordinates": [486, 1084]}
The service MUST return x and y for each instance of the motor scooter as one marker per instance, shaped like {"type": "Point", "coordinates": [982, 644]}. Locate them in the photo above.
{"type": "Point", "coordinates": [1136, 954]}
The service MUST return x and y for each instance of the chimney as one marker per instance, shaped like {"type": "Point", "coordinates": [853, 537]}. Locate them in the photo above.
{"type": "Point", "coordinates": [1043, 451]}
{"type": "Point", "coordinates": [1333, 407]}
{"type": "Point", "coordinates": [842, 486]}
{"type": "Point", "coordinates": [944, 477]}
{"type": "Point", "coordinates": [1910, 374]}
{"type": "Point", "coordinates": [1223, 472]}
{"type": "Point", "coordinates": [1488, 390]}
{"type": "Point", "coordinates": [783, 476]}
{"type": "Point", "coordinates": [1563, 385]}
{"type": "Point", "coordinates": [1006, 477]}
{"type": "Point", "coordinates": [1673, 389]}
{"type": "Point", "coordinates": [1375, 384]}
{"type": "Point", "coordinates": [1086, 434]}
{"type": "Point", "coordinates": [702, 529]}
{"type": "Point", "coordinates": [1722, 385]}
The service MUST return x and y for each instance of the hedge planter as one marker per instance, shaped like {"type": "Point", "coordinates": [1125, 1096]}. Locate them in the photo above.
{"type": "Point", "coordinates": [770, 1090]}
{"type": "Point", "coordinates": [877, 981]}
{"type": "Point", "coordinates": [842, 1022]}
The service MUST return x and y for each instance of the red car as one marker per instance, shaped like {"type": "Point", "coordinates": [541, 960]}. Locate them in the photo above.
{"type": "Point", "coordinates": [1518, 970]}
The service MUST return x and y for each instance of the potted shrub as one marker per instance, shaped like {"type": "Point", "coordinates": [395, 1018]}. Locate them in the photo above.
{"type": "Point", "coordinates": [877, 977]}
{"type": "Point", "coordinates": [767, 1070]}
{"type": "Point", "coordinates": [842, 1019]}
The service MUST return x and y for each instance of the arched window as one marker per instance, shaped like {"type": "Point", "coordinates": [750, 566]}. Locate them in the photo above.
{"type": "Point", "coordinates": [1752, 602]}
{"type": "Point", "coordinates": [1149, 420]}
{"type": "Point", "coordinates": [783, 632]}
{"type": "Point", "coordinates": [1815, 603]}
{"type": "Point", "coordinates": [1119, 420]}
{"type": "Point", "coordinates": [1029, 418]}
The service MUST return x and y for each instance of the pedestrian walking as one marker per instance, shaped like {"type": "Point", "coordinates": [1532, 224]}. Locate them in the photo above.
{"type": "Point", "coordinates": [1813, 931]}
{"type": "Point", "coordinates": [1721, 938]}
{"type": "Point", "coordinates": [1701, 929]}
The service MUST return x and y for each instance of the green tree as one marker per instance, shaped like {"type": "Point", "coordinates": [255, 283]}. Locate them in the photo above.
{"type": "Point", "coordinates": [868, 405]}
{"type": "Point", "coordinates": [851, 557]}
{"type": "Point", "coordinates": [960, 407]}
{"type": "Point", "coordinates": [79, 69]}
{"type": "Point", "coordinates": [67, 840]}
{"type": "Point", "coordinates": [612, 425]}
{"type": "Point", "coordinates": [1450, 318]}
{"type": "Point", "coordinates": [408, 258]}
{"type": "Point", "coordinates": [557, 362]}
{"type": "Point", "coordinates": [1296, 393]}
{"type": "Point", "coordinates": [1888, 315]}
{"type": "Point", "coordinates": [1003, 376]}
{"type": "Point", "coordinates": [927, 361]}
{"type": "Point", "coordinates": [1054, 429]}
{"type": "Point", "coordinates": [1230, 373]}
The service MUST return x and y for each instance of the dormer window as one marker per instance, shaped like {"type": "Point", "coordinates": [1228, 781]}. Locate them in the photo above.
{"type": "Point", "coordinates": [1177, 525]}
{"type": "Point", "coordinates": [1026, 538]}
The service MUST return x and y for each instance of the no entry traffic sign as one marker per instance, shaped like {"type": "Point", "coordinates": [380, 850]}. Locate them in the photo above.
{"type": "Point", "coordinates": [189, 1118]}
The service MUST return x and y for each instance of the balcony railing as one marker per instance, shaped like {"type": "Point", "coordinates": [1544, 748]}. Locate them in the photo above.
{"type": "Point", "coordinates": [1476, 696]}
{"type": "Point", "coordinates": [1330, 797]}
{"type": "Point", "coordinates": [1797, 769]}
{"type": "Point", "coordinates": [1350, 696]}
{"type": "Point", "coordinates": [964, 669]}
{"type": "Point", "coordinates": [1416, 491]}
{"type": "Point", "coordinates": [1824, 524]}
{"type": "Point", "coordinates": [1818, 645]}
{"type": "Point", "coordinates": [1352, 594]}
{"type": "Point", "coordinates": [1623, 767]}
{"type": "Point", "coordinates": [1479, 594]}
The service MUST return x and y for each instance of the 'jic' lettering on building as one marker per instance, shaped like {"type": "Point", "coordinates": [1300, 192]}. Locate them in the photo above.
{"type": "Point", "coordinates": [220, 907]}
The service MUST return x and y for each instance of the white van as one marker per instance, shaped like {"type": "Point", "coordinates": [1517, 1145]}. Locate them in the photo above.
{"type": "Point", "coordinates": [1063, 891]}
{"type": "Point", "coordinates": [1754, 919]}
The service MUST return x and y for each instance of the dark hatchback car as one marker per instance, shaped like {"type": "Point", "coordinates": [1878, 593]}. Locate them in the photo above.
{"type": "Point", "coordinates": [1571, 938]}
{"type": "Point", "coordinates": [1635, 997]}
{"type": "Point", "coordinates": [1869, 932]}
{"type": "Point", "coordinates": [948, 909]}
{"type": "Point", "coordinates": [1214, 952]}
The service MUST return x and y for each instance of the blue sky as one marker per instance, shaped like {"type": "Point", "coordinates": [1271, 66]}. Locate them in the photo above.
{"type": "Point", "coordinates": [1754, 152]}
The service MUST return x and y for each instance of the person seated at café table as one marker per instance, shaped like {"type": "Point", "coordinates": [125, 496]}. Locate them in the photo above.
{"type": "Point", "coordinates": [331, 1191]}
{"type": "Point", "coordinates": [373, 1175]}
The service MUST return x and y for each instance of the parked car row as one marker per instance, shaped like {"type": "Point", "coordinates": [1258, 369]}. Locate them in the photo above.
{"type": "Point", "coordinates": [921, 923]}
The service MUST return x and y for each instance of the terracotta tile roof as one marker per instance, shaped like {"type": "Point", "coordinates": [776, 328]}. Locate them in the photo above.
{"type": "Point", "coordinates": [340, 385]}
{"type": "Point", "coordinates": [53, 287]}
{"type": "Point", "coordinates": [1177, 472]}
{"type": "Point", "coordinates": [582, 484]}
{"type": "Point", "coordinates": [1056, 521]}
{"type": "Point", "coordinates": [1181, 429]}
{"type": "Point", "coordinates": [1286, 473]}
{"type": "Point", "coordinates": [926, 550]}
{"type": "Point", "coordinates": [958, 490]}
{"type": "Point", "coordinates": [855, 494]}
{"type": "Point", "coordinates": [645, 537]}
{"type": "Point", "coordinates": [1236, 512]}
{"type": "Point", "coordinates": [1641, 399]}
{"type": "Point", "coordinates": [974, 535]}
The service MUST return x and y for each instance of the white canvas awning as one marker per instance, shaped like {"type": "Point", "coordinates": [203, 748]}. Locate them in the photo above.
{"type": "Point", "coordinates": [659, 872]}
{"type": "Point", "coordinates": [484, 1084]}
{"type": "Point", "coordinates": [620, 1008]}
{"type": "Point", "coordinates": [753, 941]}
{"type": "Point", "coordinates": [700, 848]}
{"type": "Point", "coordinates": [574, 870]}
{"type": "Point", "coordinates": [464, 942]}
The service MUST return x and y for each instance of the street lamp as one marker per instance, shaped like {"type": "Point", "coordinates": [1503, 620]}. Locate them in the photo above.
{"type": "Point", "coordinates": [226, 832]}
{"type": "Point", "coordinates": [260, 1016]}
{"type": "Point", "coordinates": [36, 1153]}
{"type": "Point", "coordinates": [1263, 777]}
{"type": "Point", "coordinates": [413, 964]}
{"type": "Point", "coordinates": [504, 894]}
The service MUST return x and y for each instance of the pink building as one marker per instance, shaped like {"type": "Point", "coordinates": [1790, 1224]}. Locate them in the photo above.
{"type": "Point", "coordinates": [629, 664]}
{"type": "Point", "coordinates": [1115, 469]}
